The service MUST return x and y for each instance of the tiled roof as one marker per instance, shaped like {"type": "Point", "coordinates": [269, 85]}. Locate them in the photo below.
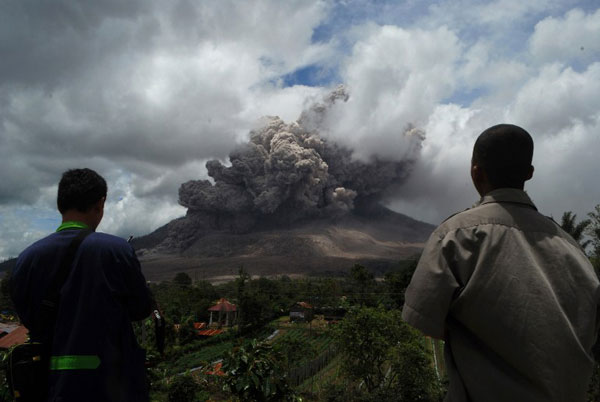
{"type": "Point", "coordinates": [303, 304]}
{"type": "Point", "coordinates": [15, 337]}
{"type": "Point", "coordinates": [223, 305]}
{"type": "Point", "coordinates": [210, 332]}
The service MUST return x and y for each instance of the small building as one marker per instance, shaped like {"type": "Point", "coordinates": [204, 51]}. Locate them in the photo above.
{"type": "Point", "coordinates": [226, 313]}
{"type": "Point", "coordinates": [301, 311]}
{"type": "Point", "coordinates": [333, 314]}
{"type": "Point", "coordinates": [15, 336]}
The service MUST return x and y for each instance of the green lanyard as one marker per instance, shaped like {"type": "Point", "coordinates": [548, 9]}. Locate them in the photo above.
{"type": "Point", "coordinates": [74, 362]}
{"type": "Point", "coordinates": [72, 225]}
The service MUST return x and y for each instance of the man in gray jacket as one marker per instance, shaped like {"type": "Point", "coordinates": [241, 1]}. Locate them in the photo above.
{"type": "Point", "coordinates": [513, 295]}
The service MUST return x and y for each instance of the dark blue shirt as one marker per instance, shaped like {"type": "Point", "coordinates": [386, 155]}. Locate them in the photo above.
{"type": "Point", "coordinates": [104, 292]}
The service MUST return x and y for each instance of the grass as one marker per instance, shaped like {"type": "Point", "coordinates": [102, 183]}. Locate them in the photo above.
{"type": "Point", "coordinates": [209, 350]}
{"type": "Point", "coordinates": [436, 346]}
{"type": "Point", "coordinates": [207, 354]}
{"type": "Point", "coordinates": [318, 340]}
{"type": "Point", "coordinates": [316, 384]}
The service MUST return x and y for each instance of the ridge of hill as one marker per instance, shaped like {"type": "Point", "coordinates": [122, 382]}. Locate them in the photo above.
{"type": "Point", "coordinates": [373, 236]}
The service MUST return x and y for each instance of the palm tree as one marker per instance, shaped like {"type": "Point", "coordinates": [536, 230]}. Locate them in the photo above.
{"type": "Point", "coordinates": [576, 230]}
{"type": "Point", "coordinates": [593, 230]}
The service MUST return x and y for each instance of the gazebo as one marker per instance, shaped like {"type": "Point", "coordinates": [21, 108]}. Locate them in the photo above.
{"type": "Point", "coordinates": [224, 307]}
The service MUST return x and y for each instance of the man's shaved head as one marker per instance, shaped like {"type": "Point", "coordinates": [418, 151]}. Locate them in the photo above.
{"type": "Point", "coordinates": [504, 152]}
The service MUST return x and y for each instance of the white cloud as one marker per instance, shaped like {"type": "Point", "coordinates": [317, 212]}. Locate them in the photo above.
{"type": "Point", "coordinates": [24, 225]}
{"type": "Point", "coordinates": [395, 78]}
{"type": "Point", "coordinates": [483, 67]}
{"type": "Point", "coordinates": [153, 83]}
{"type": "Point", "coordinates": [566, 168]}
{"type": "Point", "coordinates": [573, 37]}
{"type": "Point", "coordinates": [128, 215]}
{"type": "Point", "coordinates": [505, 12]}
{"type": "Point", "coordinates": [558, 98]}
{"type": "Point", "coordinates": [286, 103]}
{"type": "Point", "coordinates": [441, 184]}
{"type": "Point", "coordinates": [493, 17]}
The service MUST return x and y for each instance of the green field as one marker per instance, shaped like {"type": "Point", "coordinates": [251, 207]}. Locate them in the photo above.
{"type": "Point", "coordinates": [319, 339]}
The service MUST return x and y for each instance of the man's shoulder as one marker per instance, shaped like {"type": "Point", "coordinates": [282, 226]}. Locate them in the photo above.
{"type": "Point", "coordinates": [99, 241]}
{"type": "Point", "coordinates": [463, 219]}
{"type": "Point", "coordinates": [49, 242]}
{"type": "Point", "coordinates": [100, 238]}
{"type": "Point", "coordinates": [500, 216]}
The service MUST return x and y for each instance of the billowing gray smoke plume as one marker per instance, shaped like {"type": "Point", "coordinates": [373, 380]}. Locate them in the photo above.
{"type": "Point", "coordinates": [289, 172]}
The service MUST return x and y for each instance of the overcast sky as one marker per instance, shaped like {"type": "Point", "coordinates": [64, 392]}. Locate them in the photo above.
{"type": "Point", "coordinates": [145, 92]}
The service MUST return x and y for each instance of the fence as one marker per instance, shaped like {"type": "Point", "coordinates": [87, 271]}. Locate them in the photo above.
{"type": "Point", "coordinates": [298, 375]}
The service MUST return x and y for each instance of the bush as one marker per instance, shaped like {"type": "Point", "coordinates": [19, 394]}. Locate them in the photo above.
{"type": "Point", "coordinates": [183, 388]}
{"type": "Point", "coordinates": [253, 373]}
{"type": "Point", "coordinates": [373, 340]}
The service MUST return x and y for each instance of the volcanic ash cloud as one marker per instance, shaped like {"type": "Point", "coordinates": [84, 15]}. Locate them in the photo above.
{"type": "Point", "coordinates": [291, 172]}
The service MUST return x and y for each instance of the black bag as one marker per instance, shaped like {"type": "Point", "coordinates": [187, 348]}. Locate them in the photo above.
{"type": "Point", "coordinates": [27, 371]}
{"type": "Point", "coordinates": [28, 365]}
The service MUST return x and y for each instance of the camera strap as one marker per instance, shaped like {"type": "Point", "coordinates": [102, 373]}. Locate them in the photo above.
{"type": "Point", "coordinates": [48, 311]}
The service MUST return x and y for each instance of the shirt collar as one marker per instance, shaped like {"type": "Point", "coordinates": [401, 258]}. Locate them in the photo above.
{"type": "Point", "coordinates": [72, 225]}
{"type": "Point", "coordinates": [512, 195]}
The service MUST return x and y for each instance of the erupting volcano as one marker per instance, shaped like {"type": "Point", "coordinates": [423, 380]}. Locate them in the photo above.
{"type": "Point", "coordinates": [291, 192]}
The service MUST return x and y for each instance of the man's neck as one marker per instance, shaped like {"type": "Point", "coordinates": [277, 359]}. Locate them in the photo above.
{"type": "Point", "coordinates": [76, 216]}
{"type": "Point", "coordinates": [489, 188]}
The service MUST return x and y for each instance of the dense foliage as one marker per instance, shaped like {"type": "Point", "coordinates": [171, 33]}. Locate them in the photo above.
{"type": "Point", "coordinates": [386, 356]}
{"type": "Point", "coordinates": [254, 373]}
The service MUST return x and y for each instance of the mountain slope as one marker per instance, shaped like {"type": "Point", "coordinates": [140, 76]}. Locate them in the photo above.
{"type": "Point", "coordinates": [376, 237]}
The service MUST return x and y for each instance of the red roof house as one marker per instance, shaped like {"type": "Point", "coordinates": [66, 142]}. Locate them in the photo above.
{"type": "Point", "coordinates": [223, 308]}
{"type": "Point", "coordinates": [17, 336]}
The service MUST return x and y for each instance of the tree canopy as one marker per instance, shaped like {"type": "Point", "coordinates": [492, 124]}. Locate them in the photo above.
{"type": "Point", "coordinates": [576, 230]}
{"type": "Point", "coordinates": [384, 354]}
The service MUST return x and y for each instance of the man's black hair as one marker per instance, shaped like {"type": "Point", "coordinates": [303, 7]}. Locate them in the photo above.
{"type": "Point", "coordinates": [80, 189]}
{"type": "Point", "coordinates": [504, 152]}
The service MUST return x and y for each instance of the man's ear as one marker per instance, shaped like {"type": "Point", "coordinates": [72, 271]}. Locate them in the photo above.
{"type": "Point", "coordinates": [479, 178]}
{"type": "Point", "coordinates": [475, 171]}
{"type": "Point", "coordinates": [530, 174]}
{"type": "Point", "coordinates": [99, 206]}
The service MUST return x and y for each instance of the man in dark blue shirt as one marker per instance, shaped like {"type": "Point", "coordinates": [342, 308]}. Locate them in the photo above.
{"type": "Point", "coordinates": [94, 354]}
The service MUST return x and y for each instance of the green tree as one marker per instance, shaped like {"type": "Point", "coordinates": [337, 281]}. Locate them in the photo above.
{"type": "Point", "coordinates": [396, 282]}
{"type": "Point", "coordinates": [256, 301]}
{"type": "Point", "coordinates": [593, 231]}
{"type": "Point", "coordinates": [253, 373]}
{"type": "Point", "coordinates": [294, 350]}
{"type": "Point", "coordinates": [182, 279]}
{"type": "Point", "coordinates": [576, 230]}
{"type": "Point", "coordinates": [182, 388]}
{"type": "Point", "coordinates": [240, 284]}
{"type": "Point", "coordinates": [363, 283]}
{"type": "Point", "coordinates": [5, 300]}
{"type": "Point", "coordinates": [387, 356]}
{"type": "Point", "coordinates": [178, 302]}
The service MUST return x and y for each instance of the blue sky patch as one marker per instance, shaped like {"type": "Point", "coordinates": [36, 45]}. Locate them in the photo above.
{"type": "Point", "coordinates": [465, 97]}
{"type": "Point", "coordinates": [313, 75]}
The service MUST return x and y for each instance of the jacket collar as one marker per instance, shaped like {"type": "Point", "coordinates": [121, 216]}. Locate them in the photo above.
{"type": "Point", "coordinates": [511, 195]}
